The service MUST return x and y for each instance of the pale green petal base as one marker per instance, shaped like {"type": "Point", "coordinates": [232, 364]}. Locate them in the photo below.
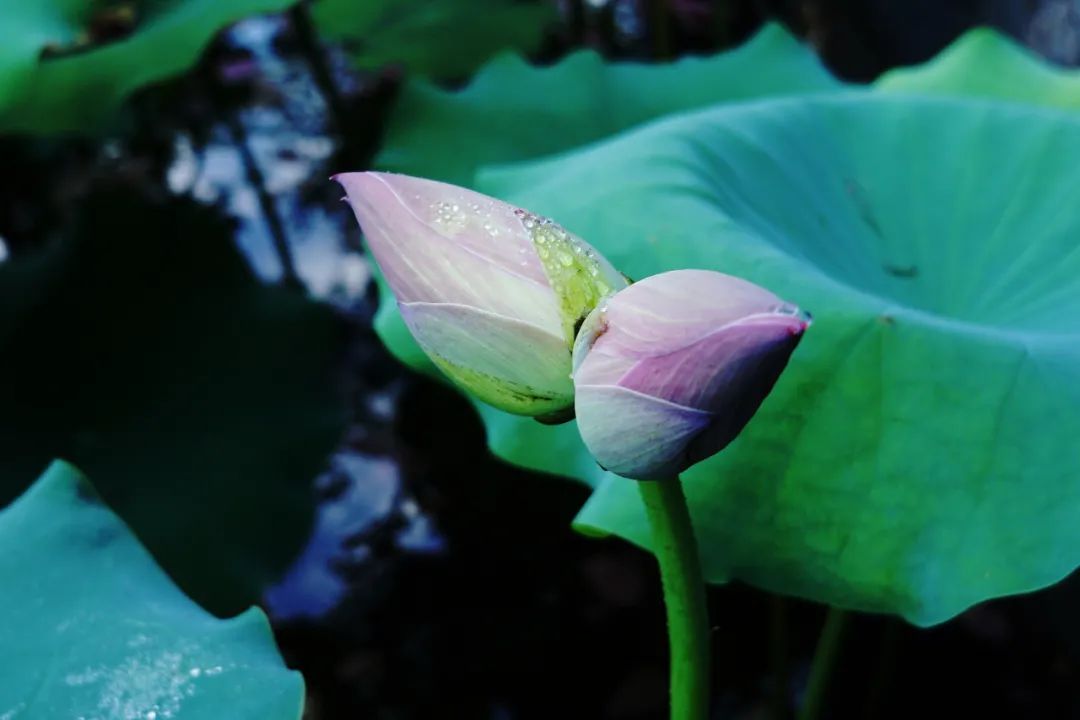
{"type": "Point", "coordinates": [511, 365]}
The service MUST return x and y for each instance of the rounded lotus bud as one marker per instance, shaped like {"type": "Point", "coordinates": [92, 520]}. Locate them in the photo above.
{"type": "Point", "coordinates": [492, 293]}
{"type": "Point", "coordinates": [668, 371]}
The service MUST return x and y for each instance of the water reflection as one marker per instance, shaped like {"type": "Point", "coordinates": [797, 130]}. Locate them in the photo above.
{"type": "Point", "coordinates": [360, 492]}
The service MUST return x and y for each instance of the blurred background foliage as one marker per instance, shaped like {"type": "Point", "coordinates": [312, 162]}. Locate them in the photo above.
{"type": "Point", "coordinates": [187, 316]}
{"type": "Point", "coordinates": [443, 39]}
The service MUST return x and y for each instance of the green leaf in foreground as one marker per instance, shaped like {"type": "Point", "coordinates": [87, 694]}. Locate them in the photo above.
{"type": "Point", "coordinates": [919, 455]}
{"type": "Point", "coordinates": [56, 76]}
{"type": "Point", "coordinates": [201, 402]}
{"type": "Point", "coordinates": [91, 628]}
{"type": "Point", "coordinates": [437, 38]}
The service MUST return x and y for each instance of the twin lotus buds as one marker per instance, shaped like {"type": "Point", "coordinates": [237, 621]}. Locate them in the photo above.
{"type": "Point", "coordinates": [666, 372]}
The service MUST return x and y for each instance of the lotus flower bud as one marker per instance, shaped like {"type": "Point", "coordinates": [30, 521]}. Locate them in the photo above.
{"type": "Point", "coordinates": [492, 293]}
{"type": "Point", "coordinates": [668, 371]}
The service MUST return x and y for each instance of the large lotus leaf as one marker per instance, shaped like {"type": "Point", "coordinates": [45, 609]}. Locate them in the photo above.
{"type": "Point", "coordinates": [980, 63]}
{"type": "Point", "coordinates": [203, 403]}
{"type": "Point", "coordinates": [985, 63]}
{"type": "Point", "coordinates": [513, 111]}
{"type": "Point", "coordinates": [437, 38]}
{"type": "Point", "coordinates": [62, 71]}
{"type": "Point", "coordinates": [91, 628]}
{"type": "Point", "coordinates": [919, 455]}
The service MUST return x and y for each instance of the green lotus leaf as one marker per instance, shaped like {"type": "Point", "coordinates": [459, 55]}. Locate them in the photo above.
{"type": "Point", "coordinates": [918, 455]}
{"type": "Point", "coordinates": [203, 403]}
{"type": "Point", "coordinates": [92, 628]}
{"type": "Point", "coordinates": [985, 63]}
{"type": "Point", "coordinates": [436, 38]}
{"type": "Point", "coordinates": [915, 459]}
{"type": "Point", "coordinates": [66, 64]}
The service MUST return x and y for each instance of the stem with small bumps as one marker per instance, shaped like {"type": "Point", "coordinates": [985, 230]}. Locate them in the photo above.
{"type": "Point", "coordinates": [676, 551]}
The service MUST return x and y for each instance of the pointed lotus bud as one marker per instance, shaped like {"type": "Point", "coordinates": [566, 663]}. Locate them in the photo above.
{"type": "Point", "coordinates": [492, 293]}
{"type": "Point", "coordinates": [668, 371]}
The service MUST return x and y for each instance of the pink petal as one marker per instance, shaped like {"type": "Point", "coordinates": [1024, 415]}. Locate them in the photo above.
{"type": "Point", "coordinates": [674, 309]}
{"type": "Point", "coordinates": [634, 435]}
{"type": "Point", "coordinates": [436, 242]}
{"type": "Point", "coordinates": [672, 368]}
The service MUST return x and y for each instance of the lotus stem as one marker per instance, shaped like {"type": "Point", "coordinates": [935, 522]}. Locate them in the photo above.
{"type": "Point", "coordinates": [821, 666]}
{"type": "Point", "coordinates": [778, 652]}
{"type": "Point", "coordinates": [676, 552]}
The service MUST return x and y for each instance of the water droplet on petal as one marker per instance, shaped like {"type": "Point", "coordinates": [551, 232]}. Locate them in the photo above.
{"type": "Point", "coordinates": [448, 217]}
{"type": "Point", "coordinates": [791, 310]}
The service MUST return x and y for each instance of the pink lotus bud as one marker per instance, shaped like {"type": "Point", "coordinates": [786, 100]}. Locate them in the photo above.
{"type": "Point", "coordinates": [492, 293]}
{"type": "Point", "coordinates": [668, 371]}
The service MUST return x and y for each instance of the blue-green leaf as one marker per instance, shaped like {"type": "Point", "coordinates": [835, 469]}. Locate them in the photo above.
{"type": "Point", "coordinates": [91, 628]}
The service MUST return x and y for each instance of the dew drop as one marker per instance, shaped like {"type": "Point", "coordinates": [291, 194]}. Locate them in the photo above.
{"type": "Point", "coordinates": [787, 309]}
{"type": "Point", "coordinates": [447, 216]}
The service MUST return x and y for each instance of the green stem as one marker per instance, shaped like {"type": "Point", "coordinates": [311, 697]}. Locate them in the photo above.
{"type": "Point", "coordinates": [778, 635]}
{"type": "Point", "coordinates": [821, 666]}
{"type": "Point", "coordinates": [684, 596]}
